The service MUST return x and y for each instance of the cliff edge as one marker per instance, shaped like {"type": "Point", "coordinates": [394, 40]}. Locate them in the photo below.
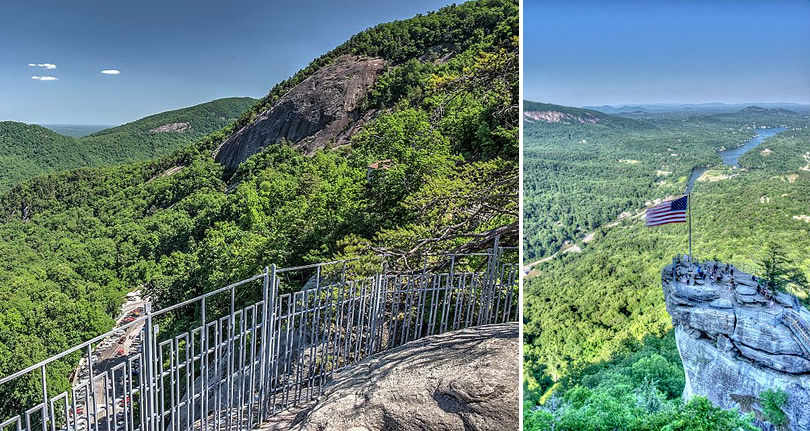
{"type": "Point", "coordinates": [736, 339]}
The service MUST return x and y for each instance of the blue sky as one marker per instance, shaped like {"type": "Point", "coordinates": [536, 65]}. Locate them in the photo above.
{"type": "Point", "coordinates": [621, 51]}
{"type": "Point", "coordinates": [169, 54]}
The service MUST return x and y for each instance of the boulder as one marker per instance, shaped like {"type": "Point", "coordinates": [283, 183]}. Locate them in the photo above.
{"type": "Point", "coordinates": [763, 331]}
{"type": "Point", "coordinates": [466, 379]}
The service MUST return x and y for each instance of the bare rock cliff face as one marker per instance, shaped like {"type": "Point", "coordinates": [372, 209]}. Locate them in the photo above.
{"type": "Point", "coordinates": [737, 341]}
{"type": "Point", "coordinates": [463, 380]}
{"type": "Point", "coordinates": [559, 117]}
{"type": "Point", "coordinates": [322, 108]}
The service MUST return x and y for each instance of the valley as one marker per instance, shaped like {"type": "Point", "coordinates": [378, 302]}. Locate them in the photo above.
{"type": "Point", "coordinates": [597, 335]}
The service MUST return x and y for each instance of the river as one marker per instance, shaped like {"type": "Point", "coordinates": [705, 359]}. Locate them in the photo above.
{"type": "Point", "coordinates": [731, 156]}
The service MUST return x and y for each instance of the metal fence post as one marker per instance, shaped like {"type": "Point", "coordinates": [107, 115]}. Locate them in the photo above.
{"type": "Point", "coordinates": [203, 368]}
{"type": "Point", "coordinates": [263, 359]}
{"type": "Point", "coordinates": [491, 280]}
{"type": "Point", "coordinates": [268, 331]}
{"type": "Point", "coordinates": [44, 399]}
{"type": "Point", "coordinates": [147, 395]}
{"type": "Point", "coordinates": [375, 305]}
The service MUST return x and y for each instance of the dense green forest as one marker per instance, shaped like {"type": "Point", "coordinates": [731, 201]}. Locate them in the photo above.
{"type": "Point", "coordinates": [594, 319]}
{"type": "Point", "coordinates": [580, 176]}
{"type": "Point", "coordinates": [75, 242]}
{"type": "Point", "coordinates": [29, 150]}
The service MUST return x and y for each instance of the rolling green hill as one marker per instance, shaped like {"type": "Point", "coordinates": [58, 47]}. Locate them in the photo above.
{"type": "Point", "coordinates": [29, 150]}
{"type": "Point", "coordinates": [161, 134]}
{"type": "Point", "coordinates": [596, 335]}
{"type": "Point", "coordinates": [444, 111]}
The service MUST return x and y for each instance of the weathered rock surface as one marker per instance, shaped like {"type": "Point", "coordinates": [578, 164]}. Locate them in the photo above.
{"type": "Point", "coordinates": [321, 109]}
{"type": "Point", "coordinates": [737, 341]}
{"type": "Point", "coordinates": [464, 380]}
{"type": "Point", "coordinates": [171, 127]}
{"type": "Point", "coordinates": [734, 383]}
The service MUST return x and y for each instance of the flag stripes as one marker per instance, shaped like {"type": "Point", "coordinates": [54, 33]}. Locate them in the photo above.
{"type": "Point", "coordinates": [671, 211]}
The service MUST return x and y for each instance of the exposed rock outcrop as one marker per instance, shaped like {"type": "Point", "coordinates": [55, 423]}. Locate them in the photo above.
{"type": "Point", "coordinates": [171, 127]}
{"type": "Point", "coordinates": [323, 108]}
{"type": "Point", "coordinates": [460, 380]}
{"type": "Point", "coordinates": [737, 339]}
{"type": "Point", "coordinates": [560, 117]}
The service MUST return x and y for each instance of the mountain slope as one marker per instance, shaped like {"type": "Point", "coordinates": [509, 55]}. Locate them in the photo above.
{"type": "Point", "coordinates": [163, 133]}
{"type": "Point", "coordinates": [75, 130]}
{"type": "Point", "coordinates": [28, 150]}
{"type": "Point", "coordinates": [534, 112]}
{"type": "Point", "coordinates": [322, 109]}
{"type": "Point", "coordinates": [446, 117]}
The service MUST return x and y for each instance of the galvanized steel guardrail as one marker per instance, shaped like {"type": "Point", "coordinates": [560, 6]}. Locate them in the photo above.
{"type": "Point", "coordinates": [234, 371]}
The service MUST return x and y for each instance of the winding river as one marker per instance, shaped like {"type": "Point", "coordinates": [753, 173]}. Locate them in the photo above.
{"type": "Point", "coordinates": [731, 156]}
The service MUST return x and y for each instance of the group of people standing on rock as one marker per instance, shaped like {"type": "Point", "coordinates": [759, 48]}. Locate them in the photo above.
{"type": "Point", "coordinates": [762, 288]}
{"type": "Point", "coordinates": [717, 272]}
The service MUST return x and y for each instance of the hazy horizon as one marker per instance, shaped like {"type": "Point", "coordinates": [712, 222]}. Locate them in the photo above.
{"type": "Point", "coordinates": [590, 53]}
{"type": "Point", "coordinates": [616, 105]}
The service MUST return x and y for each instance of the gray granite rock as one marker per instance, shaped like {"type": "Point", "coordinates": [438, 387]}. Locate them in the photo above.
{"type": "Point", "coordinates": [763, 331]}
{"type": "Point", "coordinates": [464, 380]}
{"type": "Point", "coordinates": [737, 343]}
{"type": "Point", "coordinates": [322, 109]}
{"type": "Point", "coordinates": [733, 383]}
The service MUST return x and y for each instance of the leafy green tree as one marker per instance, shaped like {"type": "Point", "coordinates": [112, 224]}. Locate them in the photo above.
{"type": "Point", "coordinates": [779, 272]}
{"type": "Point", "coordinates": [701, 415]}
{"type": "Point", "coordinates": [772, 402]}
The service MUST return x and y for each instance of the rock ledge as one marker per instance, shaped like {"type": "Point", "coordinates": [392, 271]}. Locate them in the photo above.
{"type": "Point", "coordinates": [737, 340]}
{"type": "Point", "coordinates": [463, 380]}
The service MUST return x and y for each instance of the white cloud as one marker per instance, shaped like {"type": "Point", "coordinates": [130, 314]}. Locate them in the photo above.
{"type": "Point", "coordinates": [45, 78]}
{"type": "Point", "coordinates": [111, 72]}
{"type": "Point", "coordinates": [48, 66]}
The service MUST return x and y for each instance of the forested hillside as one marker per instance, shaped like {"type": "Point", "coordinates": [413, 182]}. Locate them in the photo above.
{"type": "Point", "coordinates": [583, 173]}
{"type": "Point", "coordinates": [180, 225]}
{"type": "Point", "coordinates": [28, 150]}
{"type": "Point", "coordinates": [594, 319]}
{"type": "Point", "coordinates": [161, 134]}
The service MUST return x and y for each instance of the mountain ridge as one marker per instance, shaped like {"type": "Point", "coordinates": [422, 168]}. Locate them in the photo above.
{"type": "Point", "coordinates": [30, 150]}
{"type": "Point", "coordinates": [538, 112]}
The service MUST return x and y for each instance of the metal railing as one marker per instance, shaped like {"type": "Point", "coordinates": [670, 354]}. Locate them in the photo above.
{"type": "Point", "coordinates": [237, 367]}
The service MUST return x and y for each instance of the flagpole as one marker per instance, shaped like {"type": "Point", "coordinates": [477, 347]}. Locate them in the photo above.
{"type": "Point", "coordinates": [689, 210]}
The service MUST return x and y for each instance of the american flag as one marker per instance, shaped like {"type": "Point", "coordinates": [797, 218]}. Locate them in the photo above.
{"type": "Point", "coordinates": [673, 211]}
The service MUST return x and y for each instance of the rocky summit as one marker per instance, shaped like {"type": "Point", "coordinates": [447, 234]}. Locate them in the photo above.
{"type": "Point", "coordinates": [458, 380]}
{"type": "Point", "coordinates": [737, 339]}
{"type": "Point", "coordinates": [322, 109]}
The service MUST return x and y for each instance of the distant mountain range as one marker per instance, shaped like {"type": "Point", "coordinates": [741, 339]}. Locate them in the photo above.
{"type": "Point", "coordinates": [76, 130]}
{"type": "Point", "coordinates": [675, 107]}
{"type": "Point", "coordinates": [534, 112]}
